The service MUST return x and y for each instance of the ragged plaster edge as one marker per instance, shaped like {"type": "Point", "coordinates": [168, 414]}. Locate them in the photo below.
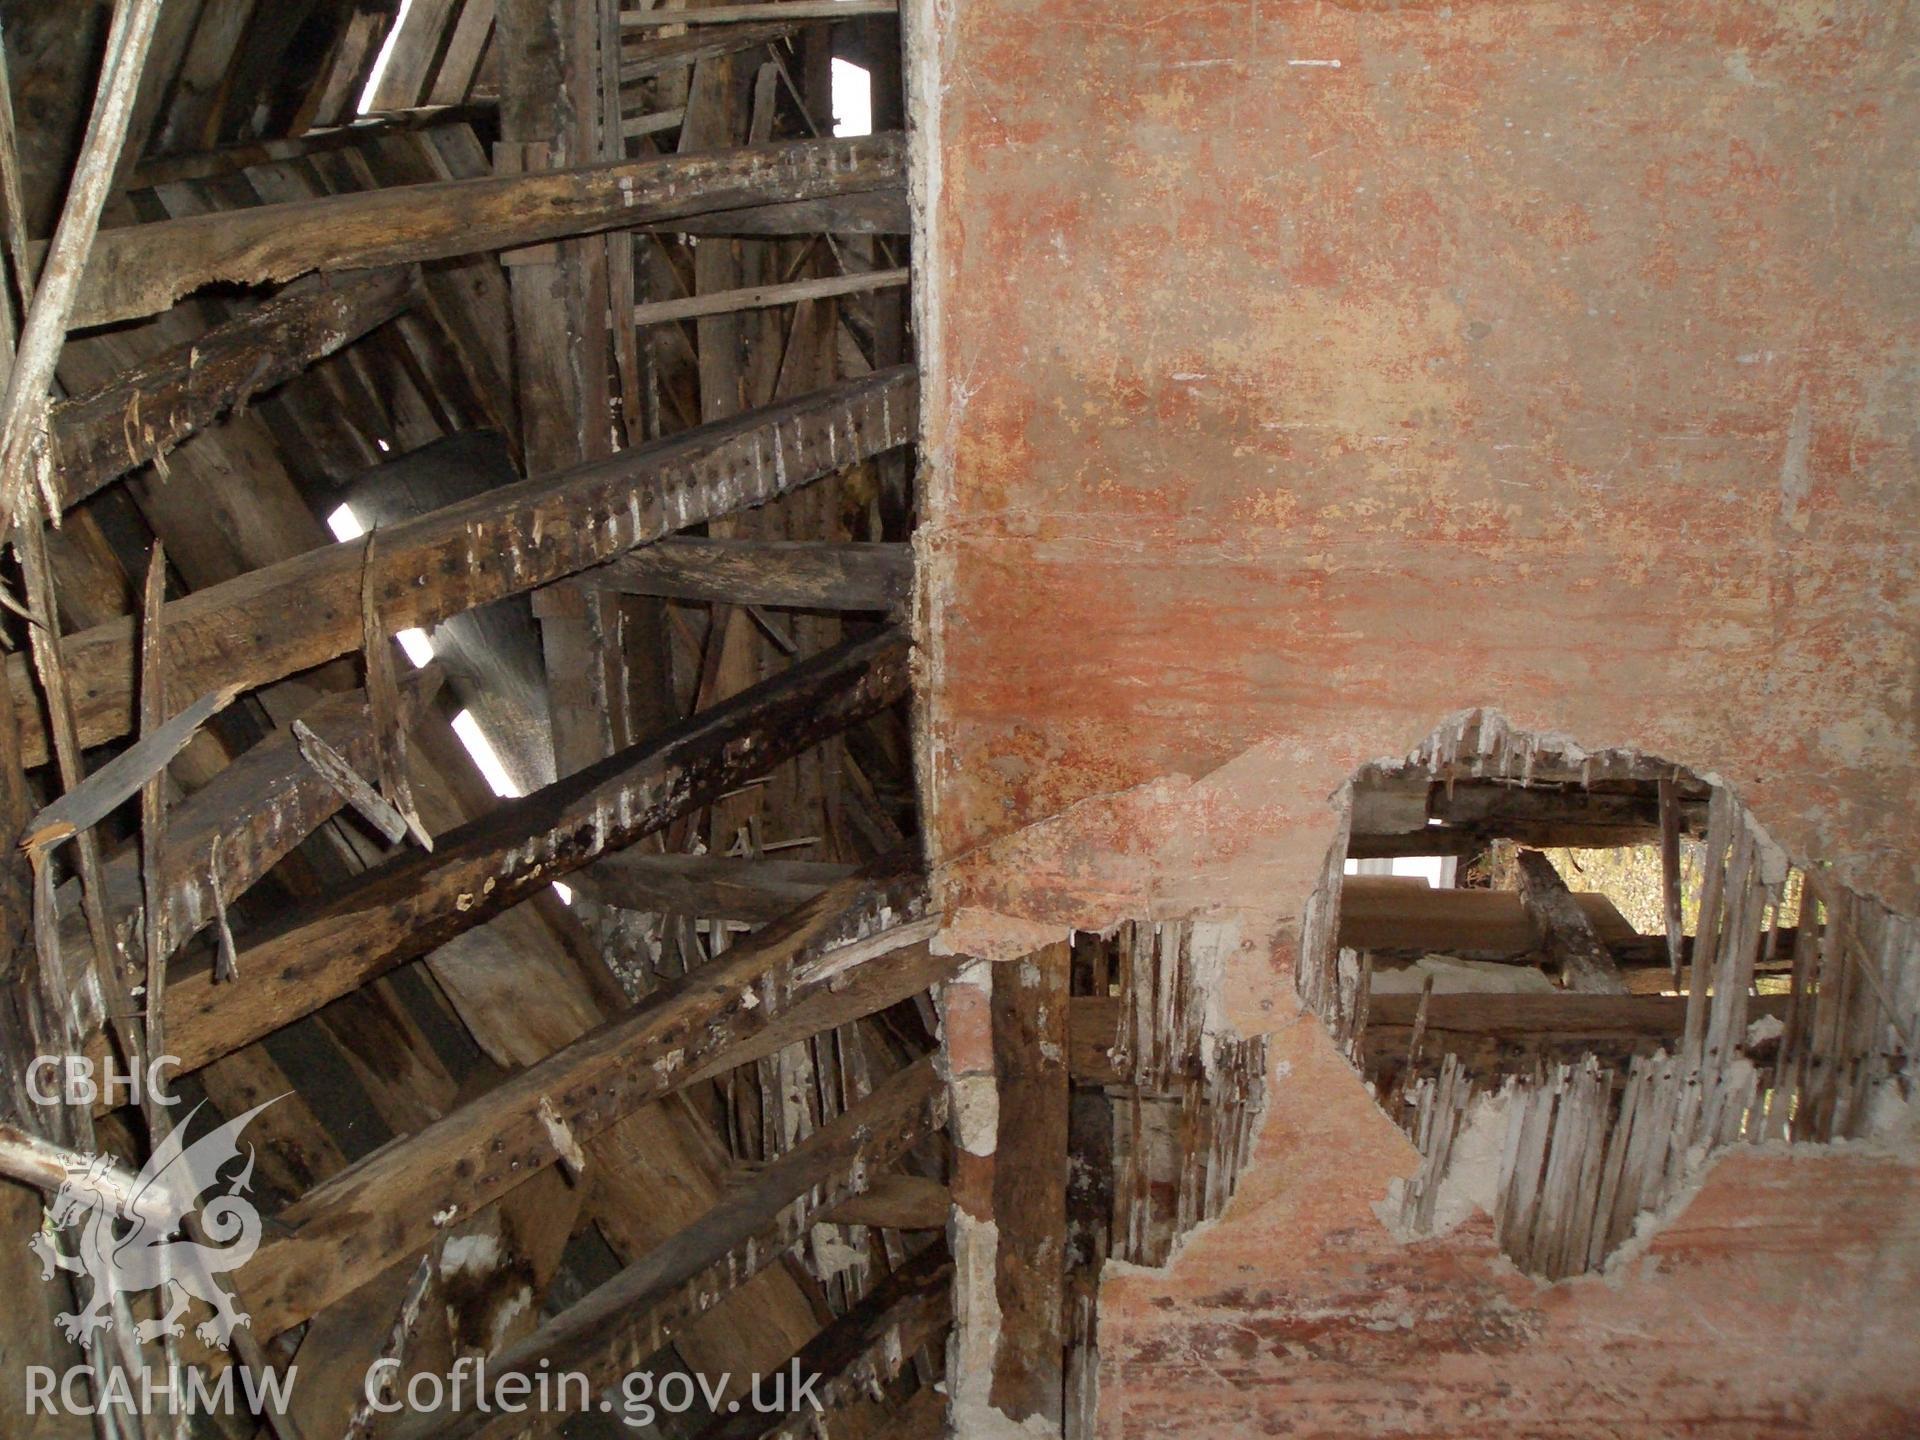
{"type": "Point", "coordinates": [1496, 730]}
{"type": "Point", "coordinates": [1894, 1133]}
{"type": "Point", "coordinates": [989, 935]}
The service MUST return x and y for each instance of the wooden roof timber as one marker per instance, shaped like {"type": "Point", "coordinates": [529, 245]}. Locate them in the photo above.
{"type": "Point", "coordinates": [802, 574]}
{"type": "Point", "coordinates": [761, 993]}
{"type": "Point", "coordinates": [716, 887]}
{"type": "Point", "coordinates": [502, 543]}
{"type": "Point", "coordinates": [417, 900]}
{"type": "Point", "coordinates": [149, 410]}
{"type": "Point", "coordinates": [619, 1325]}
{"type": "Point", "coordinates": [857, 1354]}
{"type": "Point", "coordinates": [136, 270]}
{"type": "Point", "coordinates": [760, 13]}
{"type": "Point", "coordinates": [643, 58]}
{"type": "Point", "coordinates": [851, 993]}
{"type": "Point", "coordinates": [235, 828]}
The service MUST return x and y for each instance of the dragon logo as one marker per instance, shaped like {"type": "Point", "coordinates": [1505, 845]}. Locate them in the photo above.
{"type": "Point", "coordinates": [129, 1242]}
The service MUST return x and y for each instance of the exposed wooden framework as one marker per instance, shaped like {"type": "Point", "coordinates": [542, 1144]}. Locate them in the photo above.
{"type": "Point", "coordinates": [711, 1059]}
{"type": "Point", "coordinates": [494, 546]}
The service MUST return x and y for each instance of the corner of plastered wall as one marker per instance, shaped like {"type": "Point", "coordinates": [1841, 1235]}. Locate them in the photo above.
{"type": "Point", "coordinates": [925, 29]}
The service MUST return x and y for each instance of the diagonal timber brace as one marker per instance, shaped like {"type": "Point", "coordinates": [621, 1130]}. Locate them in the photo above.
{"type": "Point", "coordinates": [418, 900]}
{"type": "Point", "coordinates": [765, 990]}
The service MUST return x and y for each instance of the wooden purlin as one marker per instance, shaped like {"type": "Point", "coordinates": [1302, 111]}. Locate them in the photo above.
{"type": "Point", "coordinates": [502, 543]}
{"type": "Point", "coordinates": [139, 270]}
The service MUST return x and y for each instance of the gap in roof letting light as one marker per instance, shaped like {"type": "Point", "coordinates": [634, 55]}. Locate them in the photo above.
{"type": "Point", "coordinates": [490, 765]}
{"type": "Point", "coordinates": [484, 755]}
{"type": "Point", "coordinates": [379, 71]}
{"type": "Point", "coordinates": [852, 99]}
{"type": "Point", "coordinates": [346, 526]}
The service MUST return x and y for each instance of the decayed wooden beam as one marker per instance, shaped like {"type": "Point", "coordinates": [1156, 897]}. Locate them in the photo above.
{"type": "Point", "coordinates": [1593, 1019]}
{"type": "Point", "coordinates": [152, 408]}
{"type": "Point", "coordinates": [801, 574]}
{"type": "Point", "coordinates": [363, 1221]}
{"type": "Point", "coordinates": [880, 211]}
{"type": "Point", "coordinates": [99, 794]}
{"type": "Point", "coordinates": [137, 270]}
{"type": "Point", "coordinates": [1030, 1039]}
{"type": "Point", "coordinates": [60, 288]}
{"type": "Point", "coordinates": [624, 1321]}
{"type": "Point", "coordinates": [641, 59]}
{"type": "Point", "coordinates": [334, 768]}
{"type": "Point", "coordinates": [896, 1202]}
{"type": "Point", "coordinates": [249, 154]}
{"type": "Point", "coordinates": [762, 297]}
{"type": "Point", "coordinates": [301, 612]}
{"type": "Point", "coordinates": [246, 819]}
{"type": "Point", "coordinates": [859, 1352]}
{"type": "Point", "coordinates": [1567, 935]}
{"type": "Point", "coordinates": [1657, 1017]}
{"type": "Point", "coordinates": [416, 901]}
{"type": "Point", "coordinates": [1670, 878]}
{"type": "Point", "coordinates": [713, 887]}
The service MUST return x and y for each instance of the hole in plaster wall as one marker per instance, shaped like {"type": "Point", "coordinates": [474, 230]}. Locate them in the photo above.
{"type": "Point", "coordinates": [1626, 975]}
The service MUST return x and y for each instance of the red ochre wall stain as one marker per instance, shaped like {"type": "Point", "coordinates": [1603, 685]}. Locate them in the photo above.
{"type": "Point", "coordinates": [1557, 358]}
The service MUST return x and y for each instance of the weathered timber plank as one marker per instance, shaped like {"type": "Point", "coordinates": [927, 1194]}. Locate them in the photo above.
{"type": "Point", "coordinates": [1600, 1016]}
{"type": "Point", "coordinates": [1391, 915]}
{"type": "Point", "coordinates": [137, 270]}
{"type": "Point", "coordinates": [349, 1230]}
{"type": "Point", "coordinates": [799, 574]}
{"type": "Point", "coordinates": [416, 901]}
{"type": "Point", "coordinates": [765, 297]}
{"type": "Point", "coordinates": [249, 154]}
{"type": "Point", "coordinates": [144, 413]}
{"type": "Point", "coordinates": [880, 211]}
{"type": "Point", "coordinates": [642, 59]}
{"type": "Point", "coordinates": [896, 1202]}
{"type": "Point", "coordinates": [624, 1321]}
{"type": "Point", "coordinates": [1030, 1039]}
{"type": "Point", "coordinates": [715, 887]}
{"type": "Point", "coordinates": [301, 612]}
{"type": "Point", "coordinates": [99, 794]}
{"type": "Point", "coordinates": [247, 818]}
{"type": "Point", "coordinates": [1565, 931]}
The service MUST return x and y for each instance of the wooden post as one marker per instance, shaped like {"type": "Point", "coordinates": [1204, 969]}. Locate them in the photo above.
{"type": "Point", "coordinates": [1030, 1018]}
{"type": "Point", "coordinates": [1585, 964]}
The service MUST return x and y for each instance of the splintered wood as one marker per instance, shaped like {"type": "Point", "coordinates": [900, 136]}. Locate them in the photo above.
{"type": "Point", "coordinates": [1185, 1102]}
{"type": "Point", "coordinates": [1595, 1142]}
